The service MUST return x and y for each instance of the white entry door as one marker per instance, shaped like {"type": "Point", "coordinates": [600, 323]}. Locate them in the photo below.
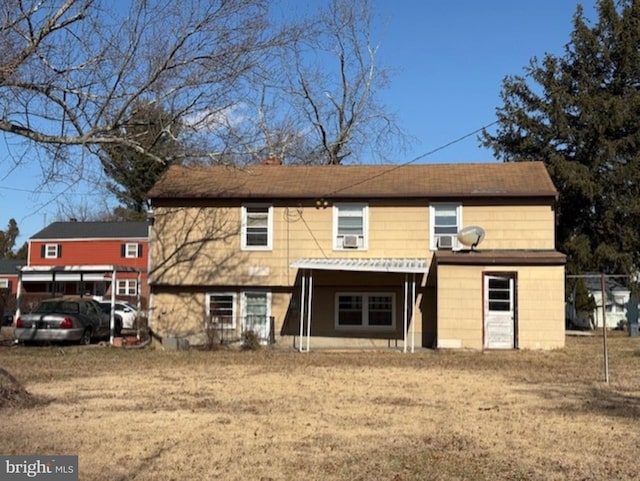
{"type": "Point", "coordinates": [256, 307]}
{"type": "Point", "coordinates": [499, 312]}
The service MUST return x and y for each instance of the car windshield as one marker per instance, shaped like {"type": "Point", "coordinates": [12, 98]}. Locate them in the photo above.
{"type": "Point", "coordinates": [57, 306]}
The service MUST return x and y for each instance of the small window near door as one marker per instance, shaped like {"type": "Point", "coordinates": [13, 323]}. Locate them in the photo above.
{"type": "Point", "coordinates": [499, 294]}
{"type": "Point", "coordinates": [221, 310]}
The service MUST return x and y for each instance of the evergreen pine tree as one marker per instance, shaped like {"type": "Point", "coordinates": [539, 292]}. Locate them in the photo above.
{"type": "Point", "coordinates": [580, 114]}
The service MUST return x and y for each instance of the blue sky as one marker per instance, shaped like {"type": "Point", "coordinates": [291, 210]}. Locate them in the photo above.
{"type": "Point", "coordinates": [448, 60]}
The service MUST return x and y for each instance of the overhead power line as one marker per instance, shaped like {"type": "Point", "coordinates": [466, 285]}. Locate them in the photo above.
{"type": "Point", "coordinates": [415, 159]}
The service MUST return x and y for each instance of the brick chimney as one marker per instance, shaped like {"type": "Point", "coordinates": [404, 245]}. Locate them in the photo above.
{"type": "Point", "coordinates": [272, 160]}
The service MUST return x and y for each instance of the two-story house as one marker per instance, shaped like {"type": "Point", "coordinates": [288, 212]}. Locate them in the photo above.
{"type": "Point", "coordinates": [363, 251]}
{"type": "Point", "coordinates": [78, 258]}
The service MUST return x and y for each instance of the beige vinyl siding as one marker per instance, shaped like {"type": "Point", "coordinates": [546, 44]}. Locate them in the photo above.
{"type": "Point", "coordinates": [179, 315]}
{"type": "Point", "coordinates": [540, 305]}
{"type": "Point", "coordinates": [541, 310]}
{"type": "Point", "coordinates": [395, 230]}
{"type": "Point", "coordinates": [513, 226]}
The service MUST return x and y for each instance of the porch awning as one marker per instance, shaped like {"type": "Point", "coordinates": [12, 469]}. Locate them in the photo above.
{"type": "Point", "coordinates": [401, 265]}
{"type": "Point", "coordinates": [71, 273]}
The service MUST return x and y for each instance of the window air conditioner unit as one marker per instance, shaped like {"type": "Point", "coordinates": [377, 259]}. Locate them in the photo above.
{"type": "Point", "coordinates": [350, 241]}
{"type": "Point", "coordinates": [4, 283]}
{"type": "Point", "coordinates": [445, 242]}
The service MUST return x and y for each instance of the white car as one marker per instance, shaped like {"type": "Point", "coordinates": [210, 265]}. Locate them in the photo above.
{"type": "Point", "coordinates": [125, 311]}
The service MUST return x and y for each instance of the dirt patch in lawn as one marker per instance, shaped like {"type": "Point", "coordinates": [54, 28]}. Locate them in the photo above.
{"type": "Point", "coordinates": [358, 415]}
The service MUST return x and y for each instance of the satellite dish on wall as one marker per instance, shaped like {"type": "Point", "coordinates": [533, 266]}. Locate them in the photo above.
{"type": "Point", "coordinates": [471, 236]}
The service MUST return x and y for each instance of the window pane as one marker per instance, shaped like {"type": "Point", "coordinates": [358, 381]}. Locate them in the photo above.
{"type": "Point", "coordinates": [499, 294]}
{"type": "Point", "coordinates": [348, 318]}
{"type": "Point", "coordinates": [445, 230]}
{"type": "Point", "coordinates": [350, 211]}
{"type": "Point", "coordinates": [256, 220]}
{"type": "Point", "coordinates": [350, 226]}
{"type": "Point", "coordinates": [256, 309]}
{"type": "Point", "coordinates": [257, 226]}
{"type": "Point", "coordinates": [349, 310]}
{"type": "Point", "coordinates": [380, 311]}
{"type": "Point", "coordinates": [257, 237]}
{"type": "Point", "coordinates": [499, 283]}
{"type": "Point", "coordinates": [221, 309]}
{"type": "Point", "coordinates": [132, 250]}
{"type": "Point", "coordinates": [445, 220]}
{"type": "Point", "coordinates": [499, 306]}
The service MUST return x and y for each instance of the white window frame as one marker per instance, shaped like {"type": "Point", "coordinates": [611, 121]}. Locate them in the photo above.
{"type": "Point", "coordinates": [234, 309]}
{"type": "Point", "coordinates": [4, 283]}
{"type": "Point", "coordinates": [363, 240]}
{"type": "Point", "coordinates": [433, 238]}
{"type": "Point", "coordinates": [51, 251]}
{"type": "Point", "coordinates": [365, 311]}
{"type": "Point", "coordinates": [131, 250]}
{"type": "Point", "coordinates": [243, 303]}
{"type": "Point", "coordinates": [245, 213]}
{"type": "Point", "coordinates": [124, 287]}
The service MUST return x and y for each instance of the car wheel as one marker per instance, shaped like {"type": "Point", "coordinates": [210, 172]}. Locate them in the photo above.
{"type": "Point", "coordinates": [85, 340]}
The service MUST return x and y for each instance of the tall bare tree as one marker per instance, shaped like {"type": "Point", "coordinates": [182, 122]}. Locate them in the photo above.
{"type": "Point", "coordinates": [71, 71]}
{"type": "Point", "coordinates": [321, 105]}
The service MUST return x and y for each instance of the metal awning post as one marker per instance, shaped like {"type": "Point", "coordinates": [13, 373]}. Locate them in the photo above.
{"type": "Point", "coordinates": [604, 328]}
{"type": "Point", "coordinates": [18, 294]}
{"type": "Point", "coordinates": [406, 301]}
{"type": "Point", "coordinates": [302, 307]}
{"type": "Point", "coordinates": [112, 316]}
{"type": "Point", "coordinates": [413, 310]}
{"type": "Point", "coordinates": [309, 309]}
{"type": "Point", "coordinates": [138, 305]}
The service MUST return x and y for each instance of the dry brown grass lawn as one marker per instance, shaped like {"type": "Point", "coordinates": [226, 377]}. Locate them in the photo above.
{"type": "Point", "coordinates": [356, 415]}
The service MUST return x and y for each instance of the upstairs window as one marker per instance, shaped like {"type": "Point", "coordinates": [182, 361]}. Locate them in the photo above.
{"type": "Point", "coordinates": [257, 227]}
{"type": "Point", "coordinates": [350, 226]}
{"type": "Point", "coordinates": [131, 250]}
{"type": "Point", "coordinates": [51, 251]}
{"type": "Point", "coordinates": [445, 221]}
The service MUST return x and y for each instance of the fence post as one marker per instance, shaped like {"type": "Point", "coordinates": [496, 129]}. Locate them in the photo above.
{"type": "Point", "coordinates": [272, 327]}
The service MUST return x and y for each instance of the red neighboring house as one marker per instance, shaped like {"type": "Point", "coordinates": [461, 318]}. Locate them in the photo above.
{"type": "Point", "coordinates": [9, 275]}
{"type": "Point", "coordinates": [8, 288]}
{"type": "Point", "coordinates": [80, 257]}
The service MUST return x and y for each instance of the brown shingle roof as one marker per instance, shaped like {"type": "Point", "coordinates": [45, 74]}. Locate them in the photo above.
{"type": "Point", "coordinates": [517, 179]}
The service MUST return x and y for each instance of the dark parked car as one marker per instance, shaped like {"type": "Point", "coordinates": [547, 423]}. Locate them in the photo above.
{"type": "Point", "coordinates": [106, 308]}
{"type": "Point", "coordinates": [7, 319]}
{"type": "Point", "coordinates": [63, 319]}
